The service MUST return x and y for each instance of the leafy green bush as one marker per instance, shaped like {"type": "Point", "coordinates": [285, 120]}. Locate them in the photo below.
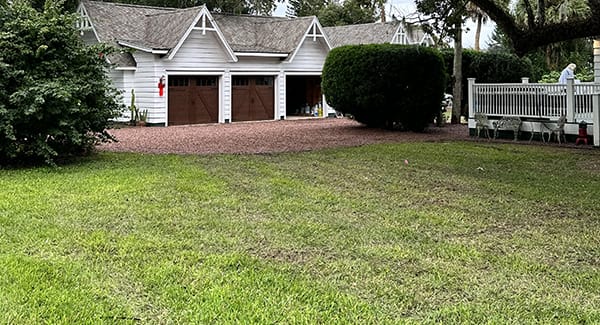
{"type": "Point", "coordinates": [385, 85]}
{"type": "Point", "coordinates": [55, 97]}
{"type": "Point", "coordinates": [486, 68]}
{"type": "Point", "coordinates": [551, 77]}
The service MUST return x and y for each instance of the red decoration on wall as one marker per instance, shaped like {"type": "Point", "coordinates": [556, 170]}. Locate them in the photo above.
{"type": "Point", "coordinates": [161, 86]}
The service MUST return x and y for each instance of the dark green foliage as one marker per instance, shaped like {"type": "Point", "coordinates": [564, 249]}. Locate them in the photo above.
{"type": "Point", "coordinates": [347, 13]}
{"type": "Point", "coordinates": [385, 85]}
{"type": "Point", "coordinates": [55, 98]}
{"type": "Point", "coordinates": [487, 68]}
{"type": "Point", "coordinates": [302, 8]}
{"type": "Point", "coordinates": [258, 7]}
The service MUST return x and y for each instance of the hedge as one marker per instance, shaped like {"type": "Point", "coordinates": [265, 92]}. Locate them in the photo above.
{"type": "Point", "coordinates": [385, 85]}
{"type": "Point", "coordinates": [486, 68]}
{"type": "Point", "coordinates": [55, 97]}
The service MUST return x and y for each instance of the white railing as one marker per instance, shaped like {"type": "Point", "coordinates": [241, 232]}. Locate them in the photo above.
{"type": "Point", "coordinates": [537, 101]}
{"type": "Point", "coordinates": [534, 100]}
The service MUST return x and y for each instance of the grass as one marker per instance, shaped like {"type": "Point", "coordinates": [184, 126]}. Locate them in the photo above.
{"type": "Point", "coordinates": [465, 232]}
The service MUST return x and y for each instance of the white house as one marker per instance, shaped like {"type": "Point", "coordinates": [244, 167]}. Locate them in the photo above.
{"type": "Point", "coordinates": [221, 68]}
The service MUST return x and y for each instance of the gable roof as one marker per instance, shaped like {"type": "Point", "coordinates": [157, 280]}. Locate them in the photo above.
{"type": "Point", "coordinates": [373, 33]}
{"type": "Point", "coordinates": [262, 34]}
{"type": "Point", "coordinates": [163, 30]}
{"type": "Point", "coordinates": [116, 21]}
{"type": "Point", "coordinates": [160, 30]}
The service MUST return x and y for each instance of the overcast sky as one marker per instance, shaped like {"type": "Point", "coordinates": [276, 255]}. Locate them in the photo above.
{"type": "Point", "coordinates": [405, 7]}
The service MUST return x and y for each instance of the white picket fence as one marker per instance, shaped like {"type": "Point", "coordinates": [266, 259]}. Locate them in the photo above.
{"type": "Point", "coordinates": [578, 101]}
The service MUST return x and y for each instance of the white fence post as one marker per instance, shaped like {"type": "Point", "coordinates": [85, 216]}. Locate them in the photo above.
{"type": "Point", "coordinates": [597, 60]}
{"type": "Point", "coordinates": [596, 119]}
{"type": "Point", "coordinates": [524, 80]}
{"type": "Point", "coordinates": [570, 100]}
{"type": "Point", "coordinates": [471, 92]}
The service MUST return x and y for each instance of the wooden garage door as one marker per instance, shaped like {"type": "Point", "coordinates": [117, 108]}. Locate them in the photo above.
{"type": "Point", "coordinates": [193, 100]}
{"type": "Point", "coordinates": [253, 99]}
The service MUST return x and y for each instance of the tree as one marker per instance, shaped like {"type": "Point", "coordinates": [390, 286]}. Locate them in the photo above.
{"type": "Point", "coordinates": [302, 8]}
{"type": "Point", "coordinates": [255, 7]}
{"type": "Point", "coordinates": [350, 12]}
{"type": "Point", "coordinates": [479, 17]}
{"type": "Point", "coordinates": [536, 30]}
{"type": "Point", "coordinates": [55, 97]}
{"type": "Point", "coordinates": [447, 18]}
{"type": "Point", "coordinates": [552, 57]}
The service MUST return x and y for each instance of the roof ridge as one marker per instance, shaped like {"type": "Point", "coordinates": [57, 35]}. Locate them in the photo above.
{"type": "Point", "coordinates": [249, 15]}
{"type": "Point", "coordinates": [121, 4]}
{"type": "Point", "coordinates": [175, 11]}
{"type": "Point", "coordinates": [364, 24]}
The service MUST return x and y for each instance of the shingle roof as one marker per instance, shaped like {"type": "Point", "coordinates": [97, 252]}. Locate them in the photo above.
{"type": "Point", "coordinates": [117, 21]}
{"type": "Point", "coordinates": [373, 33]}
{"type": "Point", "coordinates": [262, 34]}
{"type": "Point", "coordinates": [162, 28]}
{"type": "Point", "coordinates": [157, 28]}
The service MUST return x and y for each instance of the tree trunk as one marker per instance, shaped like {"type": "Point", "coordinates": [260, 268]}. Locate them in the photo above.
{"type": "Point", "coordinates": [478, 32]}
{"type": "Point", "coordinates": [382, 11]}
{"type": "Point", "coordinates": [457, 72]}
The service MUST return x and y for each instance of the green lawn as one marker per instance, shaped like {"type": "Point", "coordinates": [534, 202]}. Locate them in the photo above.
{"type": "Point", "coordinates": [465, 232]}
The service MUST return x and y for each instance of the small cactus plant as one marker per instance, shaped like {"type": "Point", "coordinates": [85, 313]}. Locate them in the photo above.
{"type": "Point", "coordinates": [143, 115]}
{"type": "Point", "coordinates": [133, 109]}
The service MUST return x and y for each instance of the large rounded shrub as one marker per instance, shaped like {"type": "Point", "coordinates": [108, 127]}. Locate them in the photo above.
{"type": "Point", "coordinates": [55, 98]}
{"type": "Point", "coordinates": [384, 85]}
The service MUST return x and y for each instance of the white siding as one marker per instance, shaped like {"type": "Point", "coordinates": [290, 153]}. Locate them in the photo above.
{"type": "Point", "coordinates": [197, 52]}
{"type": "Point", "coordinates": [89, 37]}
{"type": "Point", "coordinates": [117, 78]}
{"type": "Point", "coordinates": [281, 96]}
{"type": "Point", "coordinates": [225, 95]}
{"type": "Point", "coordinates": [205, 55]}
{"type": "Point", "coordinates": [146, 87]}
{"type": "Point", "coordinates": [310, 57]}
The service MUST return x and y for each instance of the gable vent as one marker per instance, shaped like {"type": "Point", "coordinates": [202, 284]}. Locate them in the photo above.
{"type": "Point", "coordinates": [83, 22]}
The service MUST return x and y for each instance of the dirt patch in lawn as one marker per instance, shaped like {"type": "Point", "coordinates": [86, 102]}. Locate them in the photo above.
{"type": "Point", "coordinates": [267, 137]}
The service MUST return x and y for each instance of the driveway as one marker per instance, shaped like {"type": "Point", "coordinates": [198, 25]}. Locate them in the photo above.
{"type": "Point", "coordinates": [267, 137]}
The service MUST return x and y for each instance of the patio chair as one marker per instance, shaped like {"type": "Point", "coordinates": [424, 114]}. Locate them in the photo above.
{"type": "Point", "coordinates": [558, 130]}
{"type": "Point", "coordinates": [482, 124]}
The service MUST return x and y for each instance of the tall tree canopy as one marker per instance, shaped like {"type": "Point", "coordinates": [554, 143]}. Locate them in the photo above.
{"type": "Point", "coordinates": [335, 13]}
{"type": "Point", "coordinates": [536, 29]}
{"type": "Point", "coordinates": [347, 13]}
{"type": "Point", "coordinates": [578, 19]}
{"type": "Point", "coordinates": [257, 7]}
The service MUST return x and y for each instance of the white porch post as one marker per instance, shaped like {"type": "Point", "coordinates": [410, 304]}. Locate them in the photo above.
{"type": "Point", "coordinates": [226, 97]}
{"type": "Point", "coordinates": [597, 61]}
{"type": "Point", "coordinates": [596, 98]}
{"type": "Point", "coordinates": [570, 100]}
{"type": "Point", "coordinates": [282, 95]}
{"type": "Point", "coordinates": [471, 92]}
{"type": "Point", "coordinates": [596, 119]}
{"type": "Point", "coordinates": [525, 80]}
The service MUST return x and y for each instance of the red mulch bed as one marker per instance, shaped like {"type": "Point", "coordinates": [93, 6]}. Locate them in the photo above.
{"type": "Point", "coordinates": [267, 136]}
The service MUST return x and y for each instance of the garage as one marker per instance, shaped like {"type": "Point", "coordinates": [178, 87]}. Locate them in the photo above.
{"type": "Point", "coordinates": [303, 97]}
{"type": "Point", "coordinates": [253, 98]}
{"type": "Point", "coordinates": [193, 100]}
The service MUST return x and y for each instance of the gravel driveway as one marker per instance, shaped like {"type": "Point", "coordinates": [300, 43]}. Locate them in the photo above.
{"type": "Point", "coordinates": [266, 136]}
